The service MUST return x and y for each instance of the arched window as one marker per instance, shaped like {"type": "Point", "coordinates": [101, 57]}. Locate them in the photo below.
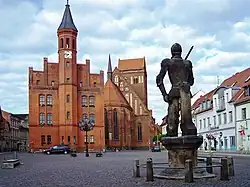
{"type": "Point", "coordinates": [84, 100]}
{"type": "Point", "coordinates": [92, 118]}
{"type": "Point", "coordinates": [92, 100]}
{"type": "Point", "coordinates": [106, 122]}
{"type": "Point", "coordinates": [61, 43]}
{"type": "Point", "coordinates": [117, 80]}
{"type": "Point", "coordinates": [140, 110]}
{"type": "Point", "coordinates": [49, 119]}
{"type": "Point", "coordinates": [49, 100]}
{"type": "Point", "coordinates": [116, 127]}
{"type": "Point", "coordinates": [139, 132]}
{"type": "Point", "coordinates": [67, 43]}
{"type": "Point", "coordinates": [42, 118]}
{"type": "Point", "coordinates": [42, 99]}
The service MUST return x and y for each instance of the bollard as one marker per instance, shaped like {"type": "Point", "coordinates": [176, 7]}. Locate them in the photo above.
{"type": "Point", "coordinates": [224, 170]}
{"type": "Point", "coordinates": [136, 169]}
{"type": "Point", "coordinates": [150, 172]}
{"type": "Point", "coordinates": [209, 163]}
{"type": "Point", "coordinates": [15, 154]}
{"type": "Point", "coordinates": [189, 177]}
{"type": "Point", "coordinates": [230, 163]}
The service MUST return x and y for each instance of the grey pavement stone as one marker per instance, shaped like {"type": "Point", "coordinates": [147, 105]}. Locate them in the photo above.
{"type": "Point", "coordinates": [114, 169]}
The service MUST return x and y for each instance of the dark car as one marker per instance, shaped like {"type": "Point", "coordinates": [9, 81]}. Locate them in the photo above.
{"type": "Point", "coordinates": [156, 149]}
{"type": "Point", "coordinates": [58, 149]}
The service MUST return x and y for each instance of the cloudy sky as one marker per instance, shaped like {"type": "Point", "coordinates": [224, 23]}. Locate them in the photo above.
{"type": "Point", "coordinates": [219, 30]}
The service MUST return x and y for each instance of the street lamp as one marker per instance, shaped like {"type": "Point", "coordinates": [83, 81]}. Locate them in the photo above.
{"type": "Point", "coordinates": [86, 125]}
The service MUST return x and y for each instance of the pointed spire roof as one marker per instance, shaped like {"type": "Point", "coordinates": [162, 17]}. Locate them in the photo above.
{"type": "Point", "coordinates": [109, 65]}
{"type": "Point", "coordinates": [67, 20]}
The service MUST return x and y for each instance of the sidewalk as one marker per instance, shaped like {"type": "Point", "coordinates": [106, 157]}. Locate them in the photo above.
{"type": "Point", "coordinates": [223, 153]}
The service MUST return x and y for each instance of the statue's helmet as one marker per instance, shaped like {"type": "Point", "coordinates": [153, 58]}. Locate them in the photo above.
{"type": "Point", "coordinates": [176, 49]}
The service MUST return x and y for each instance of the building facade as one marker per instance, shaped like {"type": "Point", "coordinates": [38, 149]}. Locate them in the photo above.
{"type": "Point", "coordinates": [215, 114]}
{"type": "Point", "coordinates": [66, 92]}
{"type": "Point", "coordinates": [14, 134]}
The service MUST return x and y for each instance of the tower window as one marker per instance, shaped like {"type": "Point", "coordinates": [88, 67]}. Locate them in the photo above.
{"type": "Point", "coordinates": [67, 64]}
{"type": "Point", "coordinates": [81, 84]}
{"type": "Point", "coordinates": [67, 43]}
{"type": "Point", "coordinates": [67, 80]}
{"type": "Point", "coordinates": [73, 44]}
{"type": "Point", "coordinates": [52, 83]}
{"type": "Point", "coordinates": [61, 43]}
{"type": "Point", "coordinates": [94, 84]}
{"type": "Point", "coordinates": [37, 82]}
{"type": "Point", "coordinates": [67, 99]}
{"type": "Point", "coordinates": [68, 115]}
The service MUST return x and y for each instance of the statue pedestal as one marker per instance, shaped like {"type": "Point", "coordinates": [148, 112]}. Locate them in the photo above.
{"type": "Point", "coordinates": [181, 149]}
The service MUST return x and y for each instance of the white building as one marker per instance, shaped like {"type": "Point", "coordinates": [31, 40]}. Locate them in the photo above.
{"type": "Point", "coordinates": [215, 113]}
{"type": "Point", "coordinates": [242, 108]}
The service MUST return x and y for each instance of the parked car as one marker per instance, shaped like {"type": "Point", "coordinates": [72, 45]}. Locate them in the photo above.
{"type": "Point", "coordinates": [156, 149]}
{"type": "Point", "coordinates": [58, 149]}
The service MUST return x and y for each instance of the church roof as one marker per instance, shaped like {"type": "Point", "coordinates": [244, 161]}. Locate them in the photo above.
{"type": "Point", "coordinates": [113, 96]}
{"type": "Point", "coordinates": [131, 64]}
{"type": "Point", "coordinates": [67, 20]}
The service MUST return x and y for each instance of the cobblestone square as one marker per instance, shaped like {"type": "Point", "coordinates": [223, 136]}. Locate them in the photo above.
{"type": "Point", "coordinates": [113, 169]}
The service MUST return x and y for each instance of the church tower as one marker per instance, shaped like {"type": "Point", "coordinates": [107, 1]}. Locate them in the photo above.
{"type": "Point", "coordinates": [67, 57]}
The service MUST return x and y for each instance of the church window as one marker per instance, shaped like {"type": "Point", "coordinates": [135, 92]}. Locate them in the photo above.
{"type": "Point", "coordinates": [116, 80]}
{"type": "Point", "coordinates": [136, 80]}
{"type": "Point", "coordinates": [116, 127]}
{"type": "Point", "coordinates": [121, 86]}
{"type": "Point", "coordinates": [139, 132]}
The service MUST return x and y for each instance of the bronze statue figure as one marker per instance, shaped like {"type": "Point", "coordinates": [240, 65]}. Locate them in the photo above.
{"type": "Point", "coordinates": [179, 98]}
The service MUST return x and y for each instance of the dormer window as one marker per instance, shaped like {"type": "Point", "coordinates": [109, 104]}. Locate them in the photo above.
{"type": "Point", "coordinates": [247, 91]}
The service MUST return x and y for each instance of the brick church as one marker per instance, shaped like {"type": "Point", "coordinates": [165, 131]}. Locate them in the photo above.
{"type": "Point", "coordinates": [66, 92]}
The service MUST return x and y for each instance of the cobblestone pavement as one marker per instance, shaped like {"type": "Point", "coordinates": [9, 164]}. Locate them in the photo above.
{"type": "Point", "coordinates": [111, 170]}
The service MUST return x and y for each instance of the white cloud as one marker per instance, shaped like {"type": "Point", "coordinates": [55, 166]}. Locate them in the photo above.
{"type": "Point", "coordinates": [125, 29]}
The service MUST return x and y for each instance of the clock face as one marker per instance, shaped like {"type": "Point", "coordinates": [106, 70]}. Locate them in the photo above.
{"type": "Point", "coordinates": [67, 54]}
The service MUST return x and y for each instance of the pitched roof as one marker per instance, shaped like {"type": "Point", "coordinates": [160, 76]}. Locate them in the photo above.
{"type": "Point", "coordinates": [113, 96]}
{"type": "Point", "coordinates": [4, 123]}
{"type": "Point", "coordinates": [131, 64]}
{"type": "Point", "coordinates": [67, 20]}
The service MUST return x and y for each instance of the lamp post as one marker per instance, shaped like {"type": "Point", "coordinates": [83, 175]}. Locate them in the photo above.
{"type": "Point", "coordinates": [86, 125]}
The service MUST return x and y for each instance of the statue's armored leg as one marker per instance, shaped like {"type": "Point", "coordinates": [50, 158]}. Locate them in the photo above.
{"type": "Point", "coordinates": [187, 126]}
{"type": "Point", "coordinates": [173, 117]}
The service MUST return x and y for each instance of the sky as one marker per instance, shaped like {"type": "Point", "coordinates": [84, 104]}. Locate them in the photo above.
{"type": "Point", "coordinates": [219, 31]}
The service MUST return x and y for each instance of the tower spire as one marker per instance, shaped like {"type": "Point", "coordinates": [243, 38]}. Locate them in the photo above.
{"type": "Point", "coordinates": [67, 20]}
{"type": "Point", "coordinates": [109, 73]}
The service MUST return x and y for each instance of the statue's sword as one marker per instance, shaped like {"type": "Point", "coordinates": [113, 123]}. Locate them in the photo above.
{"type": "Point", "coordinates": [190, 50]}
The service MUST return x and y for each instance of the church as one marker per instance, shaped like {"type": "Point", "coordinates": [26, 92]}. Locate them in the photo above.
{"type": "Point", "coordinates": [66, 92]}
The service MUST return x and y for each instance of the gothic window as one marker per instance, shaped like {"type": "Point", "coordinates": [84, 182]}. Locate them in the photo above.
{"type": "Point", "coordinates": [115, 122]}
{"type": "Point", "coordinates": [61, 43]}
{"type": "Point", "coordinates": [116, 80]}
{"type": "Point", "coordinates": [42, 118]}
{"type": "Point", "coordinates": [121, 86]}
{"type": "Point", "coordinates": [84, 100]}
{"type": "Point", "coordinates": [140, 110]}
{"type": "Point", "coordinates": [92, 100]}
{"type": "Point", "coordinates": [92, 118]}
{"type": "Point", "coordinates": [67, 43]}
{"type": "Point", "coordinates": [106, 124]}
{"type": "Point", "coordinates": [84, 116]}
{"type": "Point", "coordinates": [49, 99]}
{"type": "Point", "coordinates": [42, 100]}
{"type": "Point", "coordinates": [49, 118]}
{"type": "Point", "coordinates": [139, 131]}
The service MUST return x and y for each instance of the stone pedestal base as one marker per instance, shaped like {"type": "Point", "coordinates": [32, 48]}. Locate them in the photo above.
{"type": "Point", "coordinates": [181, 149]}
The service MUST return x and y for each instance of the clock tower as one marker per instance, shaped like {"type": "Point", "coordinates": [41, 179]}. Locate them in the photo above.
{"type": "Point", "coordinates": [67, 93]}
